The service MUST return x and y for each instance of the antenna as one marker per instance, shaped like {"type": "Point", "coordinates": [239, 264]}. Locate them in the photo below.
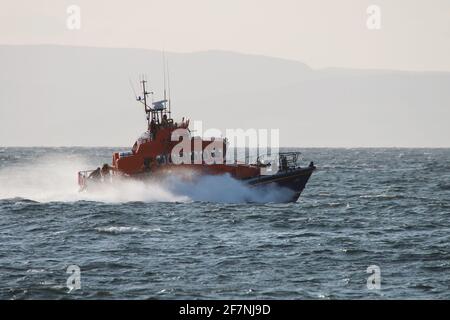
{"type": "Point", "coordinates": [168, 85]}
{"type": "Point", "coordinates": [164, 71]}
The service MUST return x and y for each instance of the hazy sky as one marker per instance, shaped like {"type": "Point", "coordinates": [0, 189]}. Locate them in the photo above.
{"type": "Point", "coordinates": [414, 34]}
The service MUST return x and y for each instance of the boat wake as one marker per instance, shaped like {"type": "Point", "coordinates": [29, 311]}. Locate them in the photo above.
{"type": "Point", "coordinates": [52, 179]}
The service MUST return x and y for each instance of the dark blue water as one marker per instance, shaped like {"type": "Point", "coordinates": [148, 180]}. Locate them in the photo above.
{"type": "Point", "coordinates": [384, 207]}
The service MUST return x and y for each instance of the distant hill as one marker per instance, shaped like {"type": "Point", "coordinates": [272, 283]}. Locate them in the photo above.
{"type": "Point", "coordinates": [56, 95]}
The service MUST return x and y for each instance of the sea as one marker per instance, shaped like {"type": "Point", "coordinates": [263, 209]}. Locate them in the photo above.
{"type": "Point", "coordinates": [371, 224]}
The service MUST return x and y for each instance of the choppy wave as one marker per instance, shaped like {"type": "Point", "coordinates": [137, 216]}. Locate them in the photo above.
{"type": "Point", "coordinates": [118, 230]}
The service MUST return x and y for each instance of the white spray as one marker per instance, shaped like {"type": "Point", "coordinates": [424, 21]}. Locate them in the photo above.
{"type": "Point", "coordinates": [54, 178]}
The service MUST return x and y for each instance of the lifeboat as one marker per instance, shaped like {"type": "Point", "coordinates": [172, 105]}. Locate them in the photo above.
{"type": "Point", "coordinates": [167, 148]}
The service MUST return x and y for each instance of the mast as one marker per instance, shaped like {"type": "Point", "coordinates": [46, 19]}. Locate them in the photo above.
{"type": "Point", "coordinates": [145, 93]}
{"type": "Point", "coordinates": [157, 110]}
